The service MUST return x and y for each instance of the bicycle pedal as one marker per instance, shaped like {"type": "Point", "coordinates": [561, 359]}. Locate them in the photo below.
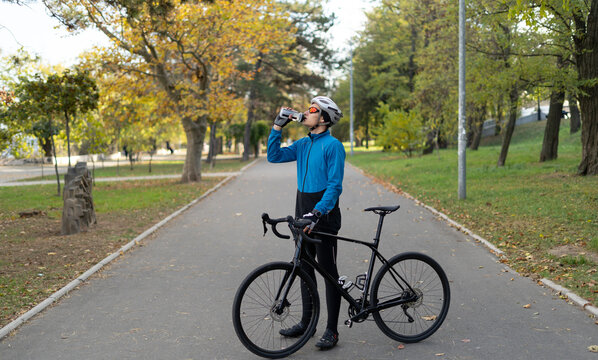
{"type": "Point", "coordinates": [349, 323]}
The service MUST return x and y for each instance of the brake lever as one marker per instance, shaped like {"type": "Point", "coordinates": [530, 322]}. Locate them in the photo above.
{"type": "Point", "coordinates": [265, 227]}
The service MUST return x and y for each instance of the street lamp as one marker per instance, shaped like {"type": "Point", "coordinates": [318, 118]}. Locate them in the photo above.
{"type": "Point", "coordinates": [351, 104]}
{"type": "Point", "coordinates": [462, 134]}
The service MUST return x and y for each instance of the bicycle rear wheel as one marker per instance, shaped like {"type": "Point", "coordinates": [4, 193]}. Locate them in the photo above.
{"type": "Point", "coordinates": [416, 320]}
{"type": "Point", "coordinates": [257, 318]}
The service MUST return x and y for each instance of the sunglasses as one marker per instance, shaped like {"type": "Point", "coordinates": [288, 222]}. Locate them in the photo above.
{"type": "Point", "coordinates": [313, 110]}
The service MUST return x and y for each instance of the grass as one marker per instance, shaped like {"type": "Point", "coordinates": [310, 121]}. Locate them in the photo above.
{"type": "Point", "coordinates": [142, 169]}
{"type": "Point", "coordinates": [35, 260]}
{"type": "Point", "coordinates": [526, 208]}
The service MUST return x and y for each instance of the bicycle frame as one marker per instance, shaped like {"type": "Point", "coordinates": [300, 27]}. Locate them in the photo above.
{"type": "Point", "coordinates": [364, 309]}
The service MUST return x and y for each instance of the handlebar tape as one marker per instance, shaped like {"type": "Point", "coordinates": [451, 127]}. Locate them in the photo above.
{"type": "Point", "coordinates": [300, 224]}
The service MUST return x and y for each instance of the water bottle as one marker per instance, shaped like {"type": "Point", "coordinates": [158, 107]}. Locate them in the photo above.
{"type": "Point", "coordinates": [347, 285]}
{"type": "Point", "coordinates": [294, 115]}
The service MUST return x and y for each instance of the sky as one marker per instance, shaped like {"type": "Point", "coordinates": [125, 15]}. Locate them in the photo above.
{"type": "Point", "coordinates": [31, 27]}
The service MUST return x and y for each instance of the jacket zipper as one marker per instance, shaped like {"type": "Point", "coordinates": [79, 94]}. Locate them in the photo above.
{"type": "Point", "coordinates": [307, 164]}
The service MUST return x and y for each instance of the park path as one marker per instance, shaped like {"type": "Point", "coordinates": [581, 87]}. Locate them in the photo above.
{"type": "Point", "coordinates": [172, 297]}
{"type": "Point", "coordinates": [119, 178]}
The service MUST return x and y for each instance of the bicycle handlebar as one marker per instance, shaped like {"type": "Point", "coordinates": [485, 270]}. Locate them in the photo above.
{"type": "Point", "coordinates": [299, 224]}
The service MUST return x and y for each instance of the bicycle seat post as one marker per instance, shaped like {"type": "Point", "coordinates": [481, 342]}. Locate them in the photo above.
{"type": "Point", "coordinates": [382, 214]}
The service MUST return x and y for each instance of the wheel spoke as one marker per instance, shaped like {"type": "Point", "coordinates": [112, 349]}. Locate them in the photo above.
{"type": "Point", "coordinates": [255, 319]}
{"type": "Point", "coordinates": [429, 285]}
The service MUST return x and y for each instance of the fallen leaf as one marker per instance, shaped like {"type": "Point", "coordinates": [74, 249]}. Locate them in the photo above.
{"type": "Point", "coordinates": [239, 214]}
{"type": "Point", "coordinates": [527, 306]}
{"type": "Point", "coordinates": [593, 348]}
{"type": "Point", "coordinates": [466, 340]}
{"type": "Point", "coordinates": [440, 354]}
{"type": "Point", "coordinates": [429, 318]}
{"type": "Point", "coordinates": [401, 347]}
{"type": "Point", "coordinates": [51, 253]}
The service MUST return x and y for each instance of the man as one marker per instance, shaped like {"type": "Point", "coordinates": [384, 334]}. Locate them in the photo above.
{"type": "Point", "coordinates": [320, 168]}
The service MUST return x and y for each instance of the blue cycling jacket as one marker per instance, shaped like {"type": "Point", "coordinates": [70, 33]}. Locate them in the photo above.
{"type": "Point", "coordinates": [320, 170]}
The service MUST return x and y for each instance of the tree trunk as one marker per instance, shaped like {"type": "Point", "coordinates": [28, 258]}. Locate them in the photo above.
{"type": "Point", "coordinates": [251, 110]}
{"type": "Point", "coordinates": [586, 46]}
{"type": "Point", "coordinates": [499, 118]}
{"type": "Point", "coordinates": [574, 116]}
{"type": "Point", "coordinates": [212, 152]}
{"type": "Point", "coordinates": [412, 68]}
{"type": "Point", "coordinates": [477, 133]}
{"type": "Point", "coordinates": [93, 170]}
{"type": "Point", "coordinates": [195, 132]}
{"type": "Point", "coordinates": [506, 141]}
{"type": "Point", "coordinates": [550, 145]}
{"type": "Point", "coordinates": [47, 147]}
{"type": "Point", "coordinates": [589, 133]}
{"type": "Point", "coordinates": [367, 133]}
{"type": "Point", "coordinates": [68, 137]}
{"type": "Point", "coordinates": [56, 167]}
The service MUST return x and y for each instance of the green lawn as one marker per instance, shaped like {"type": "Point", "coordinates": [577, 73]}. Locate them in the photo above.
{"type": "Point", "coordinates": [525, 208]}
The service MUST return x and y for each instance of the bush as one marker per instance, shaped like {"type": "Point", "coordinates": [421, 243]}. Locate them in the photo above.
{"type": "Point", "coordinates": [400, 130]}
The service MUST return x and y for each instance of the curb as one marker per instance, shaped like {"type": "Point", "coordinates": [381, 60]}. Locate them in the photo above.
{"type": "Point", "coordinates": [83, 277]}
{"type": "Point", "coordinates": [564, 292]}
{"type": "Point", "coordinates": [569, 295]}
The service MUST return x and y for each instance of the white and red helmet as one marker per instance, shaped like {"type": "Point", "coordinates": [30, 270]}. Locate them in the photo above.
{"type": "Point", "coordinates": [329, 107]}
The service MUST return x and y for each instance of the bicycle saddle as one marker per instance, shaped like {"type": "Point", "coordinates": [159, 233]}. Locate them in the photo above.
{"type": "Point", "coordinates": [383, 209]}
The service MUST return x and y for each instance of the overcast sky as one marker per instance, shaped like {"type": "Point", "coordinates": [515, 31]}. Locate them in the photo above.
{"type": "Point", "coordinates": [31, 27]}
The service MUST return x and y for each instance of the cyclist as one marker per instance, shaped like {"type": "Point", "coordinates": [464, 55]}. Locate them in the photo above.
{"type": "Point", "coordinates": [320, 168]}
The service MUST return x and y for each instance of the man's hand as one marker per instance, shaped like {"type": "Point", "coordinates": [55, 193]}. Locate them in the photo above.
{"type": "Point", "coordinates": [314, 216]}
{"type": "Point", "coordinates": [281, 121]}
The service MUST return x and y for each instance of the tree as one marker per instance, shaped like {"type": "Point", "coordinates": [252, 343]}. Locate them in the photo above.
{"type": "Point", "coordinates": [182, 45]}
{"type": "Point", "coordinates": [6, 99]}
{"type": "Point", "coordinates": [72, 93]}
{"type": "Point", "coordinates": [94, 136]}
{"type": "Point", "coordinates": [580, 19]}
{"type": "Point", "coordinates": [134, 111]}
{"type": "Point", "coordinates": [506, 47]}
{"type": "Point", "coordinates": [400, 130]}
{"type": "Point", "coordinates": [33, 112]}
{"type": "Point", "coordinates": [283, 76]}
{"type": "Point", "coordinates": [383, 64]}
{"type": "Point", "coordinates": [259, 132]}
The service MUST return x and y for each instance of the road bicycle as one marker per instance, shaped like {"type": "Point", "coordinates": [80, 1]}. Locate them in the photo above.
{"type": "Point", "coordinates": [408, 299]}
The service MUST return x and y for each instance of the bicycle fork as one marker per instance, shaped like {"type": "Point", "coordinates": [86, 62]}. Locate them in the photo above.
{"type": "Point", "coordinates": [284, 286]}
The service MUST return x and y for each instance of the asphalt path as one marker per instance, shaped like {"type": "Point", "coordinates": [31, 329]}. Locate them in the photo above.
{"type": "Point", "coordinates": [172, 297]}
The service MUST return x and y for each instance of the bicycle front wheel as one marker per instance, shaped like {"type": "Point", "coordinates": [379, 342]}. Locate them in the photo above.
{"type": "Point", "coordinates": [259, 314]}
{"type": "Point", "coordinates": [406, 276]}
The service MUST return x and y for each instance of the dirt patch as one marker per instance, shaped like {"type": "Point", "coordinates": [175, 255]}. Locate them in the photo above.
{"type": "Point", "coordinates": [36, 260]}
{"type": "Point", "coordinates": [573, 250]}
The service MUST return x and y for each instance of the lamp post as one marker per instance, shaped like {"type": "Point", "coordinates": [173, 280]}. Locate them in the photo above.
{"type": "Point", "coordinates": [351, 104]}
{"type": "Point", "coordinates": [462, 134]}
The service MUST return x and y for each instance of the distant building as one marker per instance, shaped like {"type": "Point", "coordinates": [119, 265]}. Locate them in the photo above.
{"type": "Point", "coordinates": [527, 115]}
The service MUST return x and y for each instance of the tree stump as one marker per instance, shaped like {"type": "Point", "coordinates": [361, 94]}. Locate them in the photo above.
{"type": "Point", "coordinates": [78, 212]}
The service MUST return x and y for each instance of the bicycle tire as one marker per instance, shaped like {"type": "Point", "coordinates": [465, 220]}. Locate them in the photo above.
{"type": "Point", "coordinates": [257, 325]}
{"type": "Point", "coordinates": [428, 280]}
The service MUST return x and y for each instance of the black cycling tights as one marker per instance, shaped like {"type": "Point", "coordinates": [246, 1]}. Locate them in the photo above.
{"type": "Point", "coordinates": [326, 257]}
